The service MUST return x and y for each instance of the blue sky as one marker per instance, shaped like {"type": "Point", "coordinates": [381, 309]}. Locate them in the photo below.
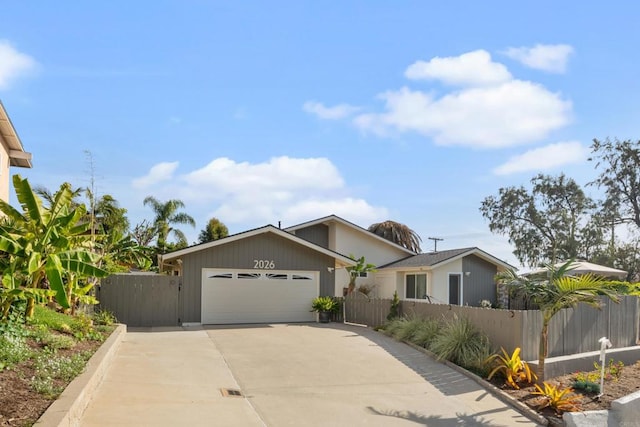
{"type": "Point", "coordinates": [259, 112]}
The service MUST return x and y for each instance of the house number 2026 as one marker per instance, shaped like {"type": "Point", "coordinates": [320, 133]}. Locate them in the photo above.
{"type": "Point", "coordinates": [264, 264]}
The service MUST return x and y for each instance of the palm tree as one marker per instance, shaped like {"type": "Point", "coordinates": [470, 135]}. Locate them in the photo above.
{"type": "Point", "coordinates": [397, 233]}
{"type": "Point", "coordinates": [215, 230]}
{"type": "Point", "coordinates": [361, 266]}
{"type": "Point", "coordinates": [166, 215]}
{"type": "Point", "coordinates": [554, 293]}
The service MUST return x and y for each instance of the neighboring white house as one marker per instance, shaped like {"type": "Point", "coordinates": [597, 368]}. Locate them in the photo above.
{"type": "Point", "coordinates": [11, 152]}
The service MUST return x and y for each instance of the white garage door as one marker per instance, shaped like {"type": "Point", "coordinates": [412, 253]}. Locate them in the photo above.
{"type": "Point", "coordinates": [257, 296]}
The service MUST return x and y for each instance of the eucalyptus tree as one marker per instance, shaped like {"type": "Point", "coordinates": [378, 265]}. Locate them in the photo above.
{"type": "Point", "coordinates": [619, 165]}
{"type": "Point", "coordinates": [398, 233]}
{"type": "Point", "coordinates": [557, 291]}
{"type": "Point", "coordinates": [44, 246]}
{"type": "Point", "coordinates": [544, 223]}
{"type": "Point", "coordinates": [166, 215]}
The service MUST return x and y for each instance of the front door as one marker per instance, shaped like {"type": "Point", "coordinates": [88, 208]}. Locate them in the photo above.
{"type": "Point", "coordinates": [454, 288]}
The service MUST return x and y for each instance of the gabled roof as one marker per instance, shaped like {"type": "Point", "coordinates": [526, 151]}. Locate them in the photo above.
{"type": "Point", "coordinates": [434, 259]}
{"type": "Point", "coordinates": [335, 218]}
{"type": "Point", "coordinates": [9, 137]}
{"type": "Point", "coordinates": [342, 259]}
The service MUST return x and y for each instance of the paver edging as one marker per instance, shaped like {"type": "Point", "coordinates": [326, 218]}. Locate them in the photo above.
{"type": "Point", "coordinates": [67, 410]}
{"type": "Point", "coordinates": [504, 397]}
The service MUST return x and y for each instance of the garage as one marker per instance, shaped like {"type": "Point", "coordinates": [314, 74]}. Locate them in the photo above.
{"type": "Point", "coordinates": [257, 296]}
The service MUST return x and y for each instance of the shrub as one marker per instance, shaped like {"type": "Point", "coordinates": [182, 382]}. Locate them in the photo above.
{"type": "Point", "coordinates": [613, 370]}
{"type": "Point", "coordinates": [587, 386]}
{"type": "Point", "coordinates": [512, 368]}
{"type": "Point", "coordinates": [426, 333]}
{"type": "Point", "coordinates": [104, 317]}
{"type": "Point", "coordinates": [325, 304]}
{"type": "Point", "coordinates": [460, 342]}
{"type": "Point", "coordinates": [557, 398]}
{"type": "Point", "coordinates": [407, 330]}
{"type": "Point", "coordinates": [394, 310]}
{"type": "Point", "coordinates": [391, 328]}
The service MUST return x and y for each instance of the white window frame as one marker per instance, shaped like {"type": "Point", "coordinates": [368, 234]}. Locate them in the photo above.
{"type": "Point", "coordinates": [417, 273]}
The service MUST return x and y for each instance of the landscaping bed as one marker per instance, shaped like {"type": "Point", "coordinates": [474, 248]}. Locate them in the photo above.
{"type": "Point", "coordinates": [458, 341]}
{"type": "Point", "coordinates": [39, 359]}
{"type": "Point", "coordinates": [627, 382]}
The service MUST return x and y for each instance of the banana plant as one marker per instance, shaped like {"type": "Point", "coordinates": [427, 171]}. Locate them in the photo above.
{"type": "Point", "coordinates": [45, 244]}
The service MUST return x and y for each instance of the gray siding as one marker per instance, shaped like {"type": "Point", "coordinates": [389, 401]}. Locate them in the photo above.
{"type": "Point", "coordinates": [318, 234]}
{"type": "Point", "coordinates": [240, 254]}
{"type": "Point", "coordinates": [480, 283]}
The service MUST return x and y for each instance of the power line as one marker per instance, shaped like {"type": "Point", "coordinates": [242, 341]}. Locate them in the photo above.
{"type": "Point", "coordinates": [435, 242]}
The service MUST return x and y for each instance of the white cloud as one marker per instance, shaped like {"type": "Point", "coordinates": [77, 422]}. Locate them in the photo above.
{"type": "Point", "coordinates": [13, 64]}
{"type": "Point", "coordinates": [283, 189]}
{"type": "Point", "coordinates": [159, 173]}
{"type": "Point", "coordinates": [339, 111]}
{"type": "Point", "coordinates": [512, 113]}
{"type": "Point", "coordinates": [545, 158]}
{"type": "Point", "coordinates": [550, 58]}
{"type": "Point", "coordinates": [470, 69]}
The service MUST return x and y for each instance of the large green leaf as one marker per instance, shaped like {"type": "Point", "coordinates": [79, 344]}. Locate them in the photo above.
{"type": "Point", "coordinates": [53, 269]}
{"type": "Point", "coordinates": [11, 212]}
{"type": "Point", "coordinates": [9, 244]}
{"type": "Point", "coordinates": [35, 262]}
{"type": "Point", "coordinates": [30, 202]}
{"type": "Point", "coordinates": [82, 263]}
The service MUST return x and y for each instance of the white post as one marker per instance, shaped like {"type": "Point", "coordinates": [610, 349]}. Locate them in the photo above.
{"type": "Point", "coordinates": [604, 344]}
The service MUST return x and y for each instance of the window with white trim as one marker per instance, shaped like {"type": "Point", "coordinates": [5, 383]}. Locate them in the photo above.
{"type": "Point", "coordinates": [415, 286]}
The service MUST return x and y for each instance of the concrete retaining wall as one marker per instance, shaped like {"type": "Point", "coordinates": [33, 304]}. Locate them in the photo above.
{"type": "Point", "coordinates": [624, 412]}
{"type": "Point", "coordinates": [562, 365]}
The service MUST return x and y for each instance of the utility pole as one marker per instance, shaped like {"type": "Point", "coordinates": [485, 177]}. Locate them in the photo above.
{"type": "Point", "coordinates": [435, 242]}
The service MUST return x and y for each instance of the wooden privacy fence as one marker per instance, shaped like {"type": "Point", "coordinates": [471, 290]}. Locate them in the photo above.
{"type": "Point", "coordinates": [141, 299]}
{"type": "Point", "coordinates": [366, 311]}
{"type": "Point", "coordinates": [570, 331]}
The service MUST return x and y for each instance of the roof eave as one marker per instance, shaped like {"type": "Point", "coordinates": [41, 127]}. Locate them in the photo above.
{"type": "Point", "coordinates": [341, 260]}
{"type": "Point", "coordinates": [9, 137]}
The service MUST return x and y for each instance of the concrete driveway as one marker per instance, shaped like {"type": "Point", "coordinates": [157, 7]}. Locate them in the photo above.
{"type": "Point", "coordinates": [289, 375]}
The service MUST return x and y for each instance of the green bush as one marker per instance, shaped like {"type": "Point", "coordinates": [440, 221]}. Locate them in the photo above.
{"type": "Point", "coordinates": [460, 342]}
{"type": "Point", "coordinates": [426, 333]}
{"type": "Point", "coordinates": [394, 310]}
{"type": "Point", "coordinates": [408, 329]}
{"type": "Point", "coordinates": [392, 327]}
{"type": "Point", "coordinates": [587, 386]}
{"type": "Point", "coordinates": [104, 317]}
{"type": "Point", "coordinates": [325, 304]}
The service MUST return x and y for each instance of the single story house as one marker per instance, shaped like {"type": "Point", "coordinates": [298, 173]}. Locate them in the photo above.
{"type": "Point", "coordinates": [270, 274]}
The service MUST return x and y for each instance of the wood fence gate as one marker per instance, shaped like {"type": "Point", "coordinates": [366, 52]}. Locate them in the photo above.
{"type": "Point", "coordinates": [142, 299]}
